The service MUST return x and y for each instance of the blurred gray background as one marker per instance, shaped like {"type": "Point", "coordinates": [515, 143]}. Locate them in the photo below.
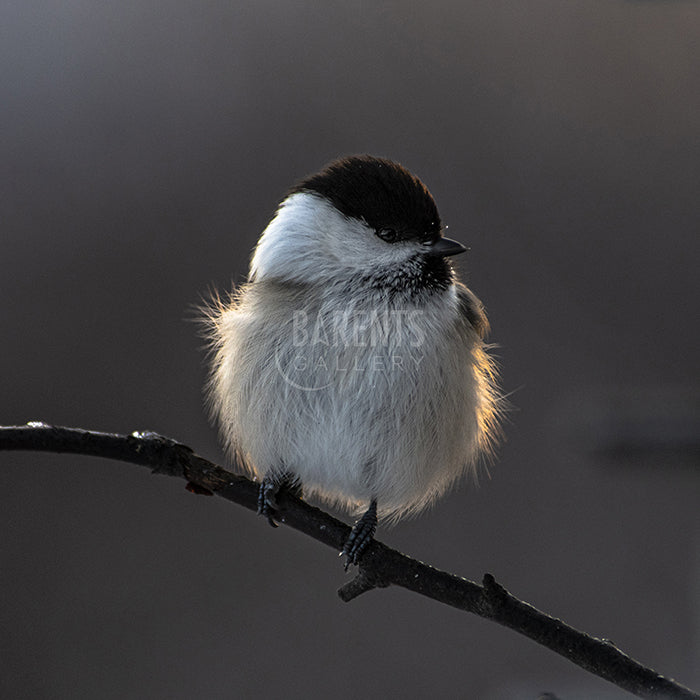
{"type": "Point", "coordinates": [143, 148]}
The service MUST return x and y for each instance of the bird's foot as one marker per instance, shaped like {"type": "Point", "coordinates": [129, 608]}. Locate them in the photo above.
{"type": "Point", "coordinates": [361, 536]}
{"type": "Point", "coordinates": [270, 486]}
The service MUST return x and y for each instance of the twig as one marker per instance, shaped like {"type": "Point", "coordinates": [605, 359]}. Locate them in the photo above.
{"type": "Point", "coordinates": [380, 567]}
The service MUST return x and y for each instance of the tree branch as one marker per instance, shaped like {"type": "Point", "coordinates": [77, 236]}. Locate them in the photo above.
{"type": "Point", "coordinates": [380, 566]}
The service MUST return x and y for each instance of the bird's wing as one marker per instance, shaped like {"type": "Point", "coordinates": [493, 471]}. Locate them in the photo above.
{"type": "Point", "coordinates": [473, 310]}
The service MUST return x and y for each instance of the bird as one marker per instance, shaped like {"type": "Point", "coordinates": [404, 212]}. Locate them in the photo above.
{"type": "Point", "coordinates": [352, 366]}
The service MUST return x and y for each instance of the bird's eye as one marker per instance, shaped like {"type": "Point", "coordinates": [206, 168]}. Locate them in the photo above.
{"type": "Point", "coordinates": [388, 234]}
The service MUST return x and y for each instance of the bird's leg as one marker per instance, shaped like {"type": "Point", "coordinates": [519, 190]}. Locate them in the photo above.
{"type": "Point", "coordinates": [270, 486]}
{"type": "Point", "coordinates": [361, 535]}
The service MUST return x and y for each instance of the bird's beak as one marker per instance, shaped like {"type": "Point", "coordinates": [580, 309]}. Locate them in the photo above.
{"type": "Point", "coordinates": [446, 246]}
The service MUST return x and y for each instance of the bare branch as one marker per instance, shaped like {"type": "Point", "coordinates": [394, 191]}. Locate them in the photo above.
{"type": "Point", "coordinates": [380, 567]}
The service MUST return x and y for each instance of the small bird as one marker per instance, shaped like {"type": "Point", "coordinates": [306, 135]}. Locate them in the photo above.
{"type": "Point", "coordinates": [352, 363]}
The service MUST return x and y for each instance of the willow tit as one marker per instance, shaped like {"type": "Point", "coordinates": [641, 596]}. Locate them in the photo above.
{"type": "Point", "coordinates": [352, 362]}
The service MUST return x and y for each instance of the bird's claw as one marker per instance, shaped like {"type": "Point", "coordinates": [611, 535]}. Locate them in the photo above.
{"type": "Point", "coordinates": [270, 486]}
{"type": "Point", "coordinates": [267, 505]}
{"type": "Point", "coordinates": [360, 536]}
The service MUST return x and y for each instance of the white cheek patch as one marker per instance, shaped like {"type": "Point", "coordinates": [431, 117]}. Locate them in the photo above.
{"type": "Point", "coordinates": [309, 240]}
{"type": "Point", "coordinates": [289, 238]}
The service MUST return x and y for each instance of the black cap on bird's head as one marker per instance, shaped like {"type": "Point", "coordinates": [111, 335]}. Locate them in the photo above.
{"type": "Point", "coordinates": [384, 195]}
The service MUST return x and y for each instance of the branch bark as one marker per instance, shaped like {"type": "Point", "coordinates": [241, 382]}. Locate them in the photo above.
{"type": "Point", "coordinates": [380, 566]}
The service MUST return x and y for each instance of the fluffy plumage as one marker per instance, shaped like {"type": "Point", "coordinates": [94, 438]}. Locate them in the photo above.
{"type": "Point", "coordinates": [353, 359]}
